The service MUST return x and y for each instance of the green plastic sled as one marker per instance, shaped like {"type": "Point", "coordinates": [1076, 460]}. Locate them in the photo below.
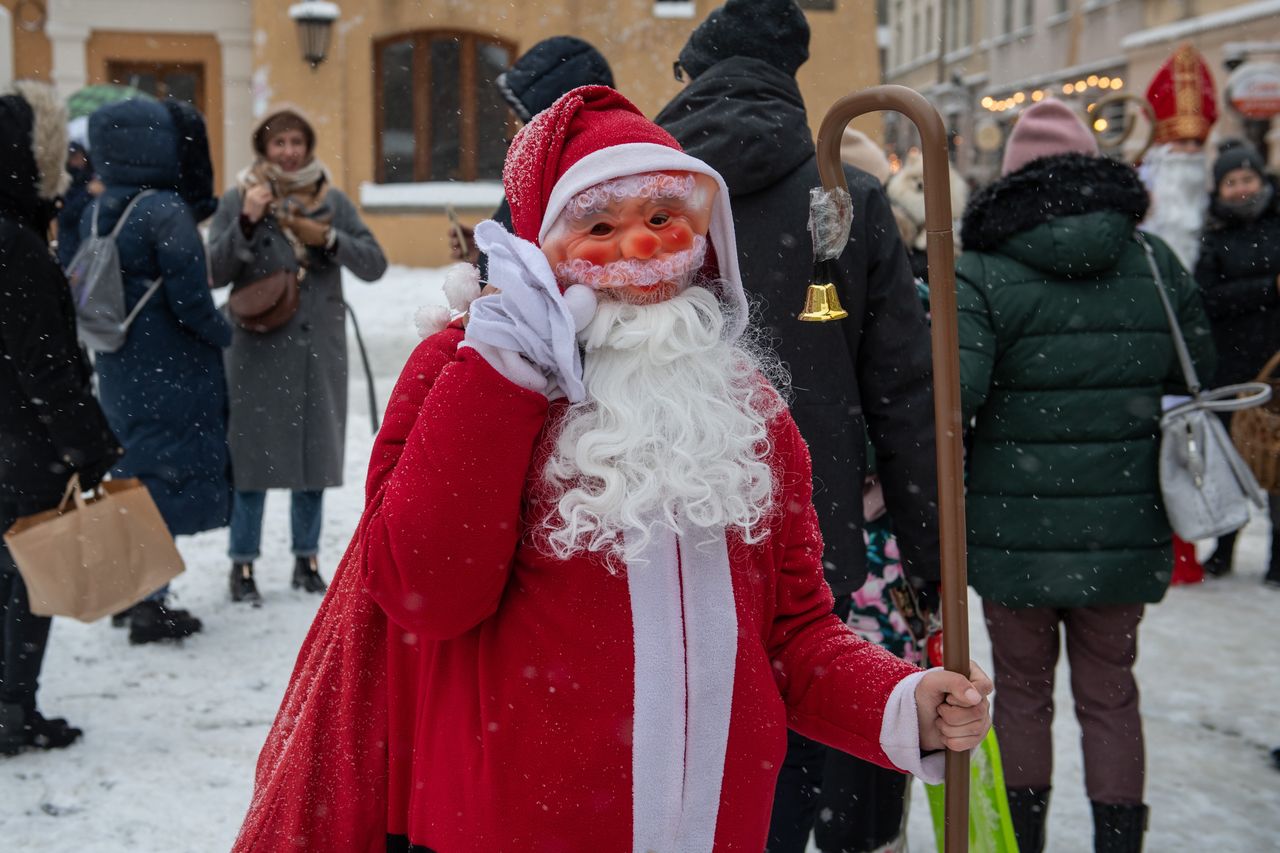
{"type": "Point", "coordinates": [990, 828]}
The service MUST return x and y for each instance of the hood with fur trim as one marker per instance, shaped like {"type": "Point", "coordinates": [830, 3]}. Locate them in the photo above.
{"type": "Point", "coordinates": [1047, 189]}
{"type": "Point", "coordinates": [906, 192]}
{"type": "Point", "coordinates": [33, 147]}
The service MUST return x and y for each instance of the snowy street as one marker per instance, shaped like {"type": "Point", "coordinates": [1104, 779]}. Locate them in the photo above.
{"type": "Point", "coordinates": [172, 732]}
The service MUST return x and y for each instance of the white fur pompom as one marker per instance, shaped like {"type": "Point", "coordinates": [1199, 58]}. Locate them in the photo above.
{"type": "Point", "coordinates": [461, 286]}
{"type": "Point", "coordinates": [430, 319]}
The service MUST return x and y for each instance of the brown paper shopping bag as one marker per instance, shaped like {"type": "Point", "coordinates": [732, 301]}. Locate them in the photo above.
{"type": "Point", "coordinates": [91, 557]}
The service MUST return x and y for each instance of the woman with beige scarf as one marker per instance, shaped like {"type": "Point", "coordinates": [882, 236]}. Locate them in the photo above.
{"type": "Point", "coordinates": [288, 384]}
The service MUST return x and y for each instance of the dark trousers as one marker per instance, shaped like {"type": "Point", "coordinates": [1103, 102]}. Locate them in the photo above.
{"type": "Point", "coordinates": [851, 805]}
{"type": "Point", "coordinates": [1102, 644]}
{"type": "Point", "coordinates": [23, 636]}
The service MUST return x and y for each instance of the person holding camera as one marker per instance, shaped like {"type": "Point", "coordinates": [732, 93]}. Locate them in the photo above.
{"type": "Point", "coordinates": [280, 238]}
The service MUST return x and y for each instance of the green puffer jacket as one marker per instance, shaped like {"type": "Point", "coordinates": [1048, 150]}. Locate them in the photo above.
{"type": "Point", "coordinates": [1065, 353]}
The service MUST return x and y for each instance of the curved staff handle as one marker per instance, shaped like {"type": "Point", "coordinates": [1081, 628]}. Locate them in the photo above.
{"type": "Point", "coordinates": [946, 385]}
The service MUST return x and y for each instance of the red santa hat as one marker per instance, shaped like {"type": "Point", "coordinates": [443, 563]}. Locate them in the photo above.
{"type": "Point", "coordinates": [1182, 97]}
{"type": "Point", "coordinates": [592, 135]}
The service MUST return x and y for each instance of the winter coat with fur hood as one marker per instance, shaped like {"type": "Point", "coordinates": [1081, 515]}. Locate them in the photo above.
{"type": "Point", "coordinates": [867, 375]}
{"type": "Point", "coordinates": [50, 424]}
{"type": "Point", "coordinates": [1065, 352]}
{"type": "Point", "coordinates": [164, 391]}
{"type": "Point", "coordinates": [1239, 276]}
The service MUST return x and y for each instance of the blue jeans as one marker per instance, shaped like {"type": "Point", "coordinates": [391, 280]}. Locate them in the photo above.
{"type": "Point", "coordinates": [246, 524]}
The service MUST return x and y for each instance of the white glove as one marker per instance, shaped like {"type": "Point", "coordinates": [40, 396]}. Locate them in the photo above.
{"type": "Point", "coordinates": [528, 331]}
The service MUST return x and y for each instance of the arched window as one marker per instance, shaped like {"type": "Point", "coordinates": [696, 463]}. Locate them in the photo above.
{"type": "Point", "coordinates": [437, 114]}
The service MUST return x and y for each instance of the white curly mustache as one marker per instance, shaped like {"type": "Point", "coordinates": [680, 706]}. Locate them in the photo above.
{"type": "Point", "coordinates": [631, 272]}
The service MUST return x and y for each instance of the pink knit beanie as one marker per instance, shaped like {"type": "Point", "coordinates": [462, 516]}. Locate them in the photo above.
{"type": "Point", "coordinates": [1047, 128]}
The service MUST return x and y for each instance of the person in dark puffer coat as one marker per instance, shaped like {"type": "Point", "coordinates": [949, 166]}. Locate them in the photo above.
{"type": "Point", "coordinates": [164, 391]}
{"type": "Point", "coordinates": [1239, 276]}
{"type": "Point", "coordinates": [867, 375]}
{"type": "Point", "coordinates": [50, 425]}
{"type": "Point", "coordinates": [1065, 352]}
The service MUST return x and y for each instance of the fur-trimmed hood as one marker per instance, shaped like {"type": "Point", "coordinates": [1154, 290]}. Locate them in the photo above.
{"type": "Point", "coordinates": [1048, 189]}
{"type": "Point", "coordinates": [33, 147]}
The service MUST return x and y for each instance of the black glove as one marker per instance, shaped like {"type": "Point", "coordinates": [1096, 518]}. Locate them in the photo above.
{"type": "Point", "coordinates": [92, 472]}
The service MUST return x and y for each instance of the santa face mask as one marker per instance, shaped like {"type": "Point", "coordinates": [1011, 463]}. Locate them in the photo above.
{"type": "Point", "coordinates": [639, 239]}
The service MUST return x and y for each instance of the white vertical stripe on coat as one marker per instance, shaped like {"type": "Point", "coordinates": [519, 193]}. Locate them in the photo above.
{"type": "Point", "coordinates": [711, 641]}
{"type": "Point", "coordinates": [658, 733]}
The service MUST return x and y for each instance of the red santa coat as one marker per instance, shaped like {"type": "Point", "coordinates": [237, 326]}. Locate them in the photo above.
{"type": "Point", "coordinates": [464, 689]}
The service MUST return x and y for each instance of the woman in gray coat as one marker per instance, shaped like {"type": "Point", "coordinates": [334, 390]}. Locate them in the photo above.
{"type": "Point", "coordinates": [288, 386]}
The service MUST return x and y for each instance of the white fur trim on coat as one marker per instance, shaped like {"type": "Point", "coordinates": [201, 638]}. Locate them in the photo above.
{"type": "Point", "coordinates": [430, 319]}
{"type": "Point", "coordinates": [48, 136]}
{"type": "Point", "coordinates": [900, 734]}
{"type": "Point", "coordinates": [461, 286]}
{"type": "Point", "coordinates": [685, 624]}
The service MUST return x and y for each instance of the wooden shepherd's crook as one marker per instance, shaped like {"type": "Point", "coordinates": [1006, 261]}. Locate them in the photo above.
{"type": "Point", "coordinates": [946, 385]}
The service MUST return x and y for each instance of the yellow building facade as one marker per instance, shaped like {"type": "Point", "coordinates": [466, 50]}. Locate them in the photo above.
{"type": "Point", "coordinates": [403, 104]}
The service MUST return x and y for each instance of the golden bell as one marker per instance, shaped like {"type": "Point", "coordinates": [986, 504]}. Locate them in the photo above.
{"type": "Point", "coordinates": [822, 304]}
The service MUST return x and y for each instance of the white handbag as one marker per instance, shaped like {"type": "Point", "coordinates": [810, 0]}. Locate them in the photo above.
{"type": "Point", "coordinates": [1207, 487]}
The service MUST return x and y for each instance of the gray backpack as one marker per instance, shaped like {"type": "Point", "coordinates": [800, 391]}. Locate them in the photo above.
{"type": "Point", "coordinates": [97, 286]}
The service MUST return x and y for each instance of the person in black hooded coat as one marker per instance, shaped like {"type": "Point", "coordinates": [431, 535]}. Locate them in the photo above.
{"type": "Point", "coordinates": [867, 375]}
{"type": "Point", "coordinates": [1239, 276]}
{"type": "Point", "coordinates": [50, 425]}
{"type": "Point", "coordinates": [164, 390]}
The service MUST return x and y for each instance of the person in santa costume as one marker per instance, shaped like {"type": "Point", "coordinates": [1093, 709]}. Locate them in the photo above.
{"type": "Point", "coordinates": [585, 600]}
{"type": "Point", "coordinates": [1175, 169]}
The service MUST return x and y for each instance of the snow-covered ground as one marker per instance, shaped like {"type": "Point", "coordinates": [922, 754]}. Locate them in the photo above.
{"type": "Point", "coordinates": [172, 732]}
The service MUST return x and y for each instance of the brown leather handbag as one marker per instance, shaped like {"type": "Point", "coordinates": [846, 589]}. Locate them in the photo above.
{"type": "Point", "coordinates": [266, 304]}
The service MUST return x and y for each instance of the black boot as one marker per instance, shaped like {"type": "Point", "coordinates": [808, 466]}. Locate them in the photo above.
{"type": "Point", "coordinates": [121, 619]}
{"type": "Point", "coordinates": [26, 728]}
{"type": "Point", "coordinates": [1219, 562]}
{"type": "Point", "coordinates": [243, 587]}
{"type": "Point", "coordinates": [1118, 828]}
{"type": "Point", "coordinates": [151, 621]}
{"type": "Point", "coordinates": [306, 575]}
{"type": "Point", "coordinates": [12, 738]}
{"type": "Point", "coordinates": [1028, 808]}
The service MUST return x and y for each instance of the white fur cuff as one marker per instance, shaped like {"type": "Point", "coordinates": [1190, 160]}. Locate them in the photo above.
{"type": "Point", "coordinates": [900, 734]}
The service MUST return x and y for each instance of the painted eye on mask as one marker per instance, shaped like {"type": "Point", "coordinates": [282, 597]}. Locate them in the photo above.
{"type": "Point", "coordinates": [659, 219]}
{"type": "Point", "coordinates": [601, 229]}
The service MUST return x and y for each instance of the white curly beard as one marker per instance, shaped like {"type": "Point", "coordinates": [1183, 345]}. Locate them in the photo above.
{"type": "Point", "coordinates": [1179, 185]}
{"type": "Point", "coordinates": [674, 432]}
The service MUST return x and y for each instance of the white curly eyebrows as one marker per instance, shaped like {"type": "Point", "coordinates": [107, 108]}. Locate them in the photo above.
{"type": "Point", "coordinates": [655, 185]}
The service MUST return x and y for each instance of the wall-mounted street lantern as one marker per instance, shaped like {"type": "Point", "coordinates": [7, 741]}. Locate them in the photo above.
{"type": "Point", "coordinates": [315, 21]}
